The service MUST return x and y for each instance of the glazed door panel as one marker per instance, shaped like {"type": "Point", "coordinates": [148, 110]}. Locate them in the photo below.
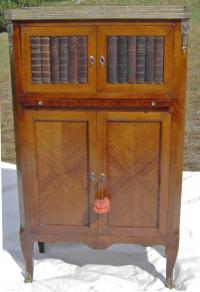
{"type": "Point", "coordinates": [59, 59]}
{"type": "Point", "coordinates": [135, 158]}
{"type": "Point", "coordinates": [61, 155]}
{"type": "Point", "coordinates": [136, 59]}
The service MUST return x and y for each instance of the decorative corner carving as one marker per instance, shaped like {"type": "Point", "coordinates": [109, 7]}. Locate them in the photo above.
{"type": "Point", "coordinates": [185, 31]}
{"type": "Point", "coordinates": [9, 28]}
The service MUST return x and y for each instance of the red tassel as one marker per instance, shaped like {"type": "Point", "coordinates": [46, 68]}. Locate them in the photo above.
{"type": "Point", "coordinates": [101, 206]}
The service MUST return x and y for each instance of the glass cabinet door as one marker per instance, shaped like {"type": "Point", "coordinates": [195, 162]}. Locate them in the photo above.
{"type": "Point", "coordinates": [135, 59]}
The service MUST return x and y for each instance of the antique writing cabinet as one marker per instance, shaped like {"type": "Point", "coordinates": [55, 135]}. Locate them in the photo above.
{"type": "Point", "coordinates": [99, 101]}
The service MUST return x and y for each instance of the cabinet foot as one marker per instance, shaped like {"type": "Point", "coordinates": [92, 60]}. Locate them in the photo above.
{"type": "Point", "coordinates": [27, 250]}
{"type": "Point", "coordinates": [28, 278]}
{"type": "Point", "coordinates": [171, 254]}
{"type": "Point", "coordinates": [170, 282]}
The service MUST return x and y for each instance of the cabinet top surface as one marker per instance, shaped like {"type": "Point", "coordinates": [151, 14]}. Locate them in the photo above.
{"type": "Point", "coordinates": [98, 12]}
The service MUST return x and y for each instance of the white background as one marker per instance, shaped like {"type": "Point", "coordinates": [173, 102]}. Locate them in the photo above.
{"type": "Point", "coordinates": [74, 267]}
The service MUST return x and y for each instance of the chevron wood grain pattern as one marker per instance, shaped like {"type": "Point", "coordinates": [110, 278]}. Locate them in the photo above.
{"type": "Point", "coordinates": [62, 153]}
{"type": "Point", "coordinates": [133, 173]}
{"type": "Point", "coordinates": [61, 164]}
{"type": "Point", "coordinates": [134, 154]}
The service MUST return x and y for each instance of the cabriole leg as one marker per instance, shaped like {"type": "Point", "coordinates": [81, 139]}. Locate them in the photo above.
{"type": "Point", "coordinates": [27, 250]}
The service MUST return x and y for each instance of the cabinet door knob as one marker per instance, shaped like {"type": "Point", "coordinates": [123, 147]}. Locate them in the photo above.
{"type": "Point", "coordinates": [92, 176]}
{"type": "Point", "coordinates": [102, 60]}
{"type": "Point", "coordinates": [91, 60]}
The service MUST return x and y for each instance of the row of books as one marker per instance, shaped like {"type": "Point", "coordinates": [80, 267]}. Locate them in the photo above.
{"type": "Point", "coordinates": [59, 59]}
{"type": "Point", "coordinates": [135, 59]}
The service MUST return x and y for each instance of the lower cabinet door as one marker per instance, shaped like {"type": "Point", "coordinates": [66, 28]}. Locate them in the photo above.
{"type": "Point", "coordinates": [134, 156]}
{"type": "Point", "coordinates": [61, 159]}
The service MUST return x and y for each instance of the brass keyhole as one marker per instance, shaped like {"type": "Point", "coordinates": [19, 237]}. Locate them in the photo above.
{"type": "Point", "coordinates": [91, 60]}
{"type": "Point", "coordinates": [102, 60]}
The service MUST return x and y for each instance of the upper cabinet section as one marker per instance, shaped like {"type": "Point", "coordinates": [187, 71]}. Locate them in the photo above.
{"type": "Point", "coordinates": [136, 58]}
{"type": "Point", "coordinates": [99, 61]}
{"type": "Point", "coordinates": [59, 59]}
{"type": "Point", "coordinates": [99, 52]}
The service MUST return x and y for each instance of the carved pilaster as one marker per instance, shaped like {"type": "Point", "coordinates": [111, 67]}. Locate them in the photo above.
{"type": "Point", "coordinates": [185, 31]}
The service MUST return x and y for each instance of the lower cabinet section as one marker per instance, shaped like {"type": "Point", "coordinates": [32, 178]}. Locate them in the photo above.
{"type": "Point", "coordinates": [73, 157]}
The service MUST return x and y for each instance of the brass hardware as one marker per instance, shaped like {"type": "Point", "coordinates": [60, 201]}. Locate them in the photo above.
{"type": "Point", "coordinates": [153, 103]}
{"type": "Point", "coordinates": [91, 60]}
{"type": "Point", "coordinates": [28, 278]}
{"type": "Point", "coordinates": [185, 31]}
{"type": "Point", "coordinates": [169, 282]}
{"type": "Point", "coordinates": [40, 102]}
{"type": "Point", "coordinates": [92, 176]}
{"type": "Point", "coordinates": [102, 60]}
{"type": "Point", "coordinates": [103, 177]}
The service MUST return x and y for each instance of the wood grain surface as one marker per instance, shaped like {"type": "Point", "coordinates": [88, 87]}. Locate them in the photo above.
{"type": "Point", "coordinates": [133, 137]}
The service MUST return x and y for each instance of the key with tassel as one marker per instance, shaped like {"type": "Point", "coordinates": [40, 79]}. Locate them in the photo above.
{"type": "Point", "coordinates": [102, 203]}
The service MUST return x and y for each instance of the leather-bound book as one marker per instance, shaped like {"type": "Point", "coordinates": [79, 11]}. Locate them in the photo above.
{"type": "Point", "coordinates": [63, 59]}
{"type": "Point", "coordinates": [140, 58]}
{"type": "Point", "coordinates": [45, 60]}
{"type": "Point", "coordinates": [54, 59]}
{"type": "Point", "coordinates": [73, 59]}
{"type": "Point", "coordinates": [35, 59]}
{"type": "Point", "coordinates": [149, 67]}
{"type": "Point", "coordinates": [122, 56]}
{"type": "Point", "coordinates": [131, 59]}
{"type": "Point", "coordinates": [112, 59]}
{"type": "Point", "coordinates": [159, 59]}
{"type": "Point", "coordinates": [82, 59]}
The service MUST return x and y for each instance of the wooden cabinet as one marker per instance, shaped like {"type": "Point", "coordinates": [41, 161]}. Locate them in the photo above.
{"type": "Point", "coordinates": [99, 99]}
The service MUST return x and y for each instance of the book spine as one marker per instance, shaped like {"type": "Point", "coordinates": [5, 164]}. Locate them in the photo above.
{"type": "Point", "coordinates": [132, 59]}
{"type": "Point", "coordinates": [72, 59]}
{"type": "Point", "coordinates": [112, 59]}
{"type": "Point", "coordinates": [149, 68]}
{"type": "Point", "coordinates": [122, 56]}
{"type": "Point", "coordinates": [45, 60]}
{"type": "Point", "coordinates": [36, 59]}
{"type": "Point", "coordinates": [140, 59]}
{"type": "Point", "coordinates": [159, 59]}
{"type": "Point", "coordinates": [82, 59]}
{"type": "Point", "coordinates": [54, 59]}
{"type": "Point", "coordinates": [63, 59]}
